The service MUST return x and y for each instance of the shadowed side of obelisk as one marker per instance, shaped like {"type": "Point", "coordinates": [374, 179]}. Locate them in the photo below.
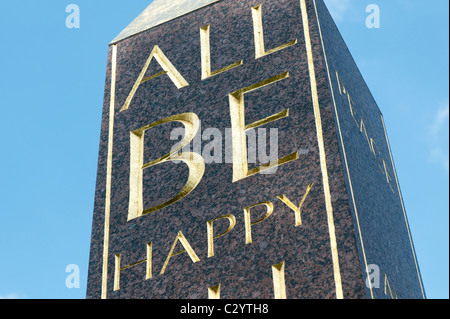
{"type": "Point", "coordinates": [385, 245]}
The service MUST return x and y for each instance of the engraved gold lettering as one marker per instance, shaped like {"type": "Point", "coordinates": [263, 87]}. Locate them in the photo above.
{"type": "Point", "coordinates": [388, 177]}
{"type": "Point", "coordinates": [363, 129]}
{"type": "Point", "coordinates": [297, 210]}
{"type": "Point", "coordinates": [206, 55]}
{"type": "Point", "coordinates": [372, 150]}
{"type": "Point", "coordinates": [341, 86]}
{"type": "Point", "coordinates": [279, 284]}
{"type": "Point", "coordinates": [187, 248]}
{"type": "Point", "coordinates": [249, 223]}
{"type": "Point", "coordinates": [239, 128]}
{"type": "Point", "coordinates": [343, 90]}
{"type": "Point", "coordinates": [168, 68]}
{"type": "Point", "coordinates": [260, 50]}
{"type": "Point", "coordinates": [214, 292]}
{"type": "Point", "coordinates": [118, 268]}
{"type": "Point", "coordinates": [387, 287]}
{"type": "Point", "coordinates": [374, 146]}
{"type": "Point", "coordinates": [194, 161]}
{"type": "Point", "coordinates": [210, 232]}
{"type": "Point", "coordinates": [352, 110]}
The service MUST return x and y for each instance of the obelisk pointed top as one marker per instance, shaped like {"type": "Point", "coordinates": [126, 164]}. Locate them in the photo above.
{"type": "Point", "coordinates": [160, 11]}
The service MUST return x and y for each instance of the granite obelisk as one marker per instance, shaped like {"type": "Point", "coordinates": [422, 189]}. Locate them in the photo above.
{"type": "Point", "coordinates": [243, 156]}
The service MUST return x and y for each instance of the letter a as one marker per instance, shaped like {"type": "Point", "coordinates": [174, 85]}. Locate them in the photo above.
{"type": "Point", "coordinates": [73, 19]}
{"type": "Point", "coordinates": [168, 68]}
{"type": "Point", "coordinates": [373, 19]}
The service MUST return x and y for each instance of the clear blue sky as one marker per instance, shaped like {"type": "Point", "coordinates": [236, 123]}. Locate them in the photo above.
{"type": "Point", "coordinates": [51, 96]}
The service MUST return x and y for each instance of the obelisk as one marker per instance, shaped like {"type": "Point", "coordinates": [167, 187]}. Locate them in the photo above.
{"type": "Point", "coordinates": [242, 156]}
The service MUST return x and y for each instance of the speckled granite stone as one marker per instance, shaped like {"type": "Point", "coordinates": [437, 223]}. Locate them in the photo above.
{"type": "Point", "coordinates": [245, 270]}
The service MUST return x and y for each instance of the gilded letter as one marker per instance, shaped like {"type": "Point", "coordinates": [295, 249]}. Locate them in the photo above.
{"type": "Point", "coordinates": [210, 232]}
{"type": "Point", "coordinates": [187, 248]}
{"type": "Point", "coordinates": [249, 223]}
{"type": "Point", "coordinates": [260, 50]}
{"type": "Point", "coordinates": [206, 55]}
{"type": "Point", "coordinates": [214, 292]}
{"type": "Point", "coordinates": [194, 161]}
{"type": "Point", "coordinates": [373, 147]}
{"type": "Point", "coordinates": [279, 284]}
{"type": "Point", "coordinates": [363, 130]}
{"type": "Point", "coordinates": [342, 89]}
{"type": "Point", "coordinates": [297, 210]}
{"type": "Point", "coordinates": [352, 110]}
{"type": "Point", "coordinates": [168, 68]}
{"type": "Point", "coordinates": [239, 129]}
{"type": "Point", "coordinates": [388, 177]}
{"type": "Point", "coordinates": [118, 268]}
{"type": "Point", "coordinates": [387, 287]}
{"type": "Point", "coordinates": [278, 278]}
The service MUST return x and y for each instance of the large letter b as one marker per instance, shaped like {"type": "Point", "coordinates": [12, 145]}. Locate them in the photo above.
{"type": "Point", "coordinates": [194, 161]}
